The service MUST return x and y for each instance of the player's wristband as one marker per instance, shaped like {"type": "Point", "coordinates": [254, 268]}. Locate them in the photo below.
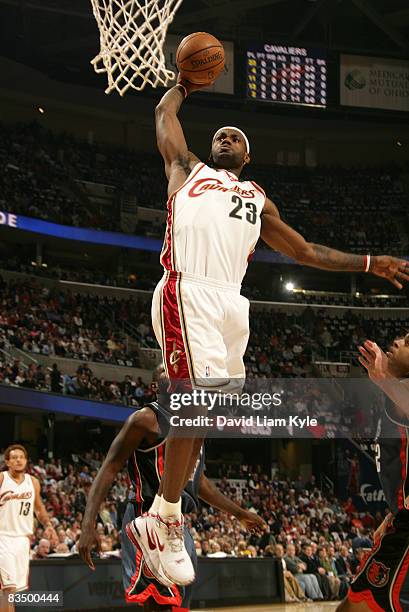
{"type": "Point", "coordinates": [183, 89]}
{"type": "Point", "coordinates": [367, 262]}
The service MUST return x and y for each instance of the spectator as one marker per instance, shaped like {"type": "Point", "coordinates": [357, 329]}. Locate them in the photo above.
{"type": "Point", "coordinates": [297, 567]}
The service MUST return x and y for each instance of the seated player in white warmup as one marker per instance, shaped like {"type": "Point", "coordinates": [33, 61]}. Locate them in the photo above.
{"type": "Point", "coordinates": [200, 319]}
{"type": "Point", "coordinates": [19, 499]}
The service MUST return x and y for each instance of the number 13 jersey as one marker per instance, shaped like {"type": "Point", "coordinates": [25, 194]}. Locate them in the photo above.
{"type": "Point", "coordinates": [16, 506]}
{"type": "Point", "coordinates": [213, 225]}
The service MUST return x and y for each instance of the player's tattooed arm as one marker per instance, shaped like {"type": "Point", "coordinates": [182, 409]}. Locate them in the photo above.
{"type": "Point", "coordinates": [170, 139]}
{"type": "Point", "coordinates": [39, 508]}
{"type": "Point", "coordinates": [281, 237]}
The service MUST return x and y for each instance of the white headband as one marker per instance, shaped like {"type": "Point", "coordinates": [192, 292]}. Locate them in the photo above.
{"type": "Point", "coordinates": [231, 127]}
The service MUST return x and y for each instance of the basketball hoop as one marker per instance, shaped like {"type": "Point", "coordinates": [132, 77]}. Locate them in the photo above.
{"type": "Point", "coordinates": [132, 34]}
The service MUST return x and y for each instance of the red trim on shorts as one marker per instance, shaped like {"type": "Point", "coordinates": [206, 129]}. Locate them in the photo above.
{"type": "Point", "coordinates": [172, 330]}
{"type": "Point", "coordinates": [402, 455]}
{"type": "Point", "coordinates": [397, 586]}
{"type": "Point", "coordinates": [138, 484]}
{"type": "Point", "coordinates": [160, 462]}
{"type": "Point", "coordinates": [166, 255]}
{"type": "Point", "coordinates": [175, 609]}
{"type": "Point", "coordinates": [364, 596]}
{"type": "Point", "coordinates": [151, 590]}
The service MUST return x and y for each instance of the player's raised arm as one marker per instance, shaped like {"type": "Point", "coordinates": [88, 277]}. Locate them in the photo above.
{"type": "Point", "coordinates": [281, 237]}
{"type": "Point", "coordinates": [170, 137]}
{"type": "Point", "coordinates": [128, 439]}
{"type": "Point", "coordinates": [386, 371]}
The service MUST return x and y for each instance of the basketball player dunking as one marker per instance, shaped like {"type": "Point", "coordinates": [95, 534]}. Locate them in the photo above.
{"type": "Point", "coordinates": [199, 317]}
{"type": "Point", "coordinates": [141, 443]}
{"type": "Point", "coordinates": [380, 578]}
{"type": "Point", "coordinates": [19, 499]}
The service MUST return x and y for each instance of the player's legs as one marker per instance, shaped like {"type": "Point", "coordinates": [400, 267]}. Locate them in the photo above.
{"type": "Point", "coordinates": [187, 319]}
{"type": "Point", "coordinates": [14, 568]}
{"type": "Point", "coordinates": [5, 604]}
{"type": "Point", "coordinates": [236, 332]}
{"type": "Point", "coordinates": [178, 471]}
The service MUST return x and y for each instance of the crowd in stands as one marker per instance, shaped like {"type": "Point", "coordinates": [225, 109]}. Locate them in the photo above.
{"type": "Point", "coordinates": [39, 170]}
{"type": "Point", "coordinates": [41, 320]}
{"type": "Point", "coordinates": [125, 279]}
{"type": "Point", "coordinates": [342, 207]}
{"type": "Point", "coordinates": [83, 384]}
{"type": "Point", "coordinates": [36, 181]}
{"type": "Point", "coordinates": [134, 279]}
{"type": "Point", "coordinates": [54, 323]}
{"type": "Point", "coordinates": [319, 539]}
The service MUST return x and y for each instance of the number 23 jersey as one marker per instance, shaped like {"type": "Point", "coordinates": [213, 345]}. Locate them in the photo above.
{"type": "Point", "coordinates": [213, 225]}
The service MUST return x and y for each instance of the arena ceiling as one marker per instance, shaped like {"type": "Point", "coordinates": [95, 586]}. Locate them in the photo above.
{"type": "Point", "coordinates": [60, 38]}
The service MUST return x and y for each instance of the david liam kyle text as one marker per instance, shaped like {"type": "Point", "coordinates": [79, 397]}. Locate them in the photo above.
{"type": "Point", "coordinates": [250, 421]}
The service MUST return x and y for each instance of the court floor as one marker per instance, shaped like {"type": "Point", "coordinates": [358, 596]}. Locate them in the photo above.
{"type": "Point", "coordinates": [314, 606]}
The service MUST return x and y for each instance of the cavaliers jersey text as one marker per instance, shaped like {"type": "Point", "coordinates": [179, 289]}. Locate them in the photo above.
{"type": "Point", "coordinates": [145, 468]}
{"type": "Point", "coordinates": [16, 506]}
{"type": "Point", "coordinates": [213, 224]}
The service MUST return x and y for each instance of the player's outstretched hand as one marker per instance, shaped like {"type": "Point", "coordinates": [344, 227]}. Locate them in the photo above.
{"type": "Point", "coordinates": [374, 360]}
{"type": "Point", "coordinates": [252, 521]}
{"type": "Point", "coordinates": [87, 542]}
{"type": "Point", "coordinates": [189, 86]}
{"type": "Point", "coordinates": [393, 269]}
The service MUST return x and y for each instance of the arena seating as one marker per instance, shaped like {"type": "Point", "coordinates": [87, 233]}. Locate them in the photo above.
{"type": "Point", "coordinates": [39, 170]}
{"type": "Point", "coordinates": [88, 328]}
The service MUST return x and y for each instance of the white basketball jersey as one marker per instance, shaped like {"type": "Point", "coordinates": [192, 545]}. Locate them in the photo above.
{"type": "Point", "coordinates": [16, 506]}
{"type": "Point", "coordinates": [213, 225]}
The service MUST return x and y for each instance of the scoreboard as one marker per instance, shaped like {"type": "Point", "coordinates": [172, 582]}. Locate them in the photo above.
{"type": "Point", "coordinates": [289, 75]}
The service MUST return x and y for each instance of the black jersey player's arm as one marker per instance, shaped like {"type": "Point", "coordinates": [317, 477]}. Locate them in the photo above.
{"type": "Point", "coordinates": [39, 508]}
{"type": "Point", "coordinates": [281, 237]}
{"type": "Point", "coordinates": [210, 494]}
{"type": "Point", "coordinates": [141, 425]}
{"type": "Point", "coordinates": [170, 138]}
{"type": "Point", "coordinates": [377, 365]}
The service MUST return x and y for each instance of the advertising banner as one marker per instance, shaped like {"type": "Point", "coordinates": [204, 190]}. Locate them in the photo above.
{"type": "Point", "coordinates": [374, 82]}
{"type": "Point", "coordinates": [219, 582]}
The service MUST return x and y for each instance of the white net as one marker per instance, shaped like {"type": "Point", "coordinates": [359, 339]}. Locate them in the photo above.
{"type": "Point", "coordinates": [132, 34]}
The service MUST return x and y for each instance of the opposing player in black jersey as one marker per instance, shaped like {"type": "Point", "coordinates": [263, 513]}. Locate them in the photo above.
{"type": "Point", "coordinates": [141, 442]}
{"type": "Point", "coordinates": [378, 584]}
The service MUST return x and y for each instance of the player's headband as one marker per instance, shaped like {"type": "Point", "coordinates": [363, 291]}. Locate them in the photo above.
{"type": "Point", "coordinates": [231, 127]}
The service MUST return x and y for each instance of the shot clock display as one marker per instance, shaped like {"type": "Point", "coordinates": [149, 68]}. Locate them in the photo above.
{"type": "Point", "coordinates": [289, 75]}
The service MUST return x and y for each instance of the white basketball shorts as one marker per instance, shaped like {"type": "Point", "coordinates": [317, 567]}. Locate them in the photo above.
{"type": "Point", "coordinates": [202, 326]}
{"type": "Point", "coordinates": [14, 562]}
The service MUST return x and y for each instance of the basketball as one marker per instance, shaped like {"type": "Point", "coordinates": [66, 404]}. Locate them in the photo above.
{"type": "Point", "coordinates": [200, 58]}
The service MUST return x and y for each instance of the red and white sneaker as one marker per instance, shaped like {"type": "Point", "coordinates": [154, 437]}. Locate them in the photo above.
{"type": "Point", "coordinates": [141, 532]}
{"type": "Point", "coordinates": [174, 558]}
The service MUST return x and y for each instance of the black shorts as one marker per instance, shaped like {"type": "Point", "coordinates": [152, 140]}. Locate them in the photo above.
{"type": "Point", "coordinates": [139, 583]}
{"type": "Point", "coordinates": [382, 573]}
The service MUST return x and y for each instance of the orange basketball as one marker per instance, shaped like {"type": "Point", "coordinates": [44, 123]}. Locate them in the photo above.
{"type": "Point", "coordinates": [200, 58]}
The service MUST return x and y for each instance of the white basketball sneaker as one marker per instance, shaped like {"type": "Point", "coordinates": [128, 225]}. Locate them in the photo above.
{"type": "Point", "coordinates": [174, 558]}
{"type": "Point", "coordinates": [141, 532]}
